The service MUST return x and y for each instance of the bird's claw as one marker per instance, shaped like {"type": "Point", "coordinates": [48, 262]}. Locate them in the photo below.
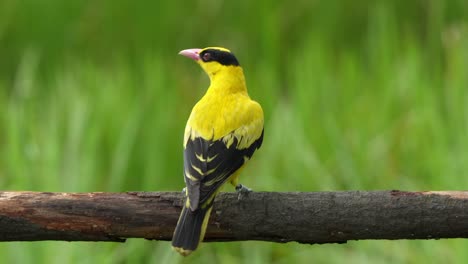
{"type": "Point", "coordinates": [242, 191]}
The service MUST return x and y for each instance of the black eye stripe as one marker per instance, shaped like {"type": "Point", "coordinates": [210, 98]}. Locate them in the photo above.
{"type": "Point", "coordinates": [223, 57]}
{"type": "Point", "coordinates": [207, 57]}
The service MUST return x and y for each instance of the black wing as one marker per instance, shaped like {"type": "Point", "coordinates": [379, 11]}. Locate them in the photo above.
{"type": "Point", "coordinates": [208, 164]}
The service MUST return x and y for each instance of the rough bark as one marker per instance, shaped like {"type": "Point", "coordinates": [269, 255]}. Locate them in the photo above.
{"type": "Point", "coordinates": [319, 217]}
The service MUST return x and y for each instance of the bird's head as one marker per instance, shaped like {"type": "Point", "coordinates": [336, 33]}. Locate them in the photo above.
{"type": "Point", "coordinates": [213, 60]}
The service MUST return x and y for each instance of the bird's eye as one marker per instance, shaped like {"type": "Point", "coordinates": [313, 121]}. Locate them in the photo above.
{"type": "Point", "coordinates": [207, 56]}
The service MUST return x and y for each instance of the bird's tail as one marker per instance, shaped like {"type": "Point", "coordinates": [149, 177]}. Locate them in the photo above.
{"type": "Point", "coordinates": [190, 229]}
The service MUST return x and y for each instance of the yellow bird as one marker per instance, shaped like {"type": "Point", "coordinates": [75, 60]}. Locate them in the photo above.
{"type": "Point", "coordinates": [222, 133]}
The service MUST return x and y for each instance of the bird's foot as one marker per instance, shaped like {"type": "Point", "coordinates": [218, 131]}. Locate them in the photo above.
{"type": "Point", "coordinates": [242, 191]}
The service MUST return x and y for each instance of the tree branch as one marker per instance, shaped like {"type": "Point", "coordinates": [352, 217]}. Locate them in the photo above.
{"type": "Point", "coordinates": [319, 217]}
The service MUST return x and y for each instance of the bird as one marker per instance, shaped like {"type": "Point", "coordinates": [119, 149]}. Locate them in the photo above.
{"type": "Point", "coordinates": [222, 133]}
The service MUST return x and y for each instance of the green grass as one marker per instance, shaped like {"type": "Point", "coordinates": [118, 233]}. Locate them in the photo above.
{"type": "Point", "coordinates": [362, 96]}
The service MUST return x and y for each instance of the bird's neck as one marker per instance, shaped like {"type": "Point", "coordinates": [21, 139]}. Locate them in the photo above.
{"type": "Point", "coordinates": [228, 81]}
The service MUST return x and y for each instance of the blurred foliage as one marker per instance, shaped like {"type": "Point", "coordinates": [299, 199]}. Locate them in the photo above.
{"type": "Point", "coordinates": [357, 95]}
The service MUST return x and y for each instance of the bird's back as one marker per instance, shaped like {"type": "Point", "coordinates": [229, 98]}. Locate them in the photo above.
{"type": "Point", "coordinates": [216, 116]}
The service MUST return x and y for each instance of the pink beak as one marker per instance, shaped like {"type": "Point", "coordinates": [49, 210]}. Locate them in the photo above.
{"type": "Point", "coordinates": [191, 53]}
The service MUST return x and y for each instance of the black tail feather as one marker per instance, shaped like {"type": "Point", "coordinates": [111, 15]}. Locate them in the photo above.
{"type": "Point", "coordinates": [190, 229]}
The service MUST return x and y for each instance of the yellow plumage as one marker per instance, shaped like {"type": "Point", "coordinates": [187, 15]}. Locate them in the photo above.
{"type": "Point", "coordinates": [222, 133]}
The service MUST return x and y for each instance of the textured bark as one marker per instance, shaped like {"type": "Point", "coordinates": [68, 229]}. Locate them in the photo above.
{"type": "Point", "coordinates": [319, 217]}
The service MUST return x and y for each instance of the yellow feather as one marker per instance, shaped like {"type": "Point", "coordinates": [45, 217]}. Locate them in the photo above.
{"type": "Point", "coordinates": [208, 159]}
{"type": "Point", "coordinates": [190, 176]}
{"type": "Point", "coordinates": [226, 108]}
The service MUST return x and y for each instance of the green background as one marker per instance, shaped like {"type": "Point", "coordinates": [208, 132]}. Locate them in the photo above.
{"type": "Point", "coordinates": [358, 95]}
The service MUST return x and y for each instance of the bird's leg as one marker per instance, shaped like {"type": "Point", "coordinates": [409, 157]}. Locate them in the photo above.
{"type": "Point", "coordinates": [242, 190]}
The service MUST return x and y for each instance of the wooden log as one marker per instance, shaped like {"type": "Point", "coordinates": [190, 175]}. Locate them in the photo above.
{"type": "Point", "coordinates": [313, 217]}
